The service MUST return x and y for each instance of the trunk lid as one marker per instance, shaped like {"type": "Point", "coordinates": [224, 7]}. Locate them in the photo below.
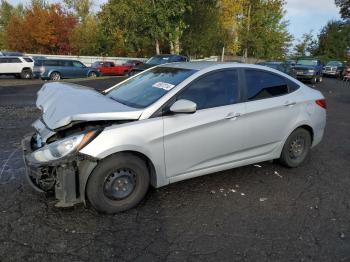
{"type": "Point", "coordinates": [63, 103]}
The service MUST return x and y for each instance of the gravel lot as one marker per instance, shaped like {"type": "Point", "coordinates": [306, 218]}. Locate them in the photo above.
{"type": "Point", "coordinates": [253, 213]}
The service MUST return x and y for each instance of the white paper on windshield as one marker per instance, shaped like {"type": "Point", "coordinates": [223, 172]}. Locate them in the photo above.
{"type": "Point", "coordinates": [163, 85]}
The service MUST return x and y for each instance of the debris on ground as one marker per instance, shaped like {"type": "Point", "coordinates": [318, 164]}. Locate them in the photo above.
{"type": "Point", "coordinates": [232, 190]}
{"type": "Point", "coordinates": [263, 199]}
{"type": "Point", "coordinates": [257, 165]}
{"type": "Point", "coordinates": [278, 174]}
{"type": "Point", "coordinates": [242, 194]}
{"type": "Point", "coordinates": [212, 192]}
{"type": "Point", "coordinates": [342, 235]}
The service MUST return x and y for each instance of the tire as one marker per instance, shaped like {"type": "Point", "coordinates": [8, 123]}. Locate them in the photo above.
{"type": "Point", "coordinates": [320, 79]}
{"type": "Point", "coordinates": [103, 191]}
{"type": "Point", "coordinates": [313, 80]}
{"type": "Point", "coordinates": [92, 74]}
{"type": "Point", "coordinates": [55, 76]}
{"type": "Point", "coordinates": [292, 155]}
{"type": "Point", "coordinates": [26, 74]}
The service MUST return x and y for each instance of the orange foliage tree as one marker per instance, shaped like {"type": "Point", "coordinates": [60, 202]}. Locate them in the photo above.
{"type": "Point", "coordinates": [42, 29]}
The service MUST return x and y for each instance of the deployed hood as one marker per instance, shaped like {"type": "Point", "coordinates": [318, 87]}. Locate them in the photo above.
{"type": "Point", "coordinates": [63, 103]}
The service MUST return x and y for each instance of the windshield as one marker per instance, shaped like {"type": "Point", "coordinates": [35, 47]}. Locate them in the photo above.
{"type": "Point", "coordinates": [97, 64]}
{"type": "Point", "coordinates": [307, 62]}
{"type": "Point", "coordinates": [334, 63]}
{"type": "Point", "coordinates": [158, 60]}
{"type": "Point", "coordinates": [146, 88]}
{"type": "Point", "coordinates": [273, 65]}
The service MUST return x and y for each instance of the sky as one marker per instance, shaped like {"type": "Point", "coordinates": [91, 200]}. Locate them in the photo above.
{"type": "Point", "coordinates": [303, 15]}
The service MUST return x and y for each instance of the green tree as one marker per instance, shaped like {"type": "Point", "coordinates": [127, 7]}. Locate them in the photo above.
{"type": "Point", "coordinates": [85, 38]}
{"type": "Point", "coordinates": [82, 8]}
{"type": "Point", "coordinates": [263, 31]}
{"type": "Point", "coordinates": [203, 35]}
{"type": "Point", "coordinates": [333, 40]}
{"type": "Point", "coordinates": [344, 8]}
{"type": "Point", "coordinates": [306, 45]}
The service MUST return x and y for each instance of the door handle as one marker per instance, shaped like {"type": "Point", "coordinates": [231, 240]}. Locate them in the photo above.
{"type": "Point", "coordinates": [232, 115]}
{"type": "Point", "coordinates": [289, 103]}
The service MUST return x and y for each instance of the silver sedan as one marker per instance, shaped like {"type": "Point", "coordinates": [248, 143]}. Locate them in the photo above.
{"type": "Point", "coordinates": [169, 123]}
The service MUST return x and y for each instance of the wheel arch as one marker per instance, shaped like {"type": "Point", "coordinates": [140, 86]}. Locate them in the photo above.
{"type": "Point", "coordinates": [89, 167]}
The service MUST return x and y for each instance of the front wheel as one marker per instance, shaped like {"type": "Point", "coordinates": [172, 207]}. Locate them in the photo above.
{"type": "Point", "coordinates": [92, 75]}
{"type": "Point", "coordinates": [118, 183]}
{"type": "Point", "coordinates": [313, 80]}
{"type": "Point", "coordinates": [320, 79]}
{"type": "Point", "coordinates": [296, 148]}
{"type": "Point", "coordinates": [55, 76]}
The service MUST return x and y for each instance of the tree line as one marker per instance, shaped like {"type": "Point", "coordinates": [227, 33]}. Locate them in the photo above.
{"type": "Point", "coordinates": [145, 27]}
{"type": "Point", "coordinates": [333, 41]}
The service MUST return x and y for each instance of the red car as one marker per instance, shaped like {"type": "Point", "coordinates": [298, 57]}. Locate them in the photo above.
{"type": "Point", "coordinates": [108, 68]}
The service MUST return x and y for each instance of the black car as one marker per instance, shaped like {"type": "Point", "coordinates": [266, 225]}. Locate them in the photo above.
{"type": "Point", "coordinates": [334, 68]}
{"type": "Point", "coordinates": [158, 60]}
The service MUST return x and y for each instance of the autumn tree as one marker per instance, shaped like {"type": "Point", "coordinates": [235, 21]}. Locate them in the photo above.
{"type": "Point", "coordinates": [47, 30]}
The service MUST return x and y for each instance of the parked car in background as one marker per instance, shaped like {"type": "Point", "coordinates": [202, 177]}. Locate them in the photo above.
{"type": "Point", "coordinates": [280, 66]}
{"type": "Point", "coordinates": [109, 68]}
{"type": "Point", "coordinates": [170, 123]}
{"type": "Point", "coordinates": [11, 53]}
{"type": "Point", "coordinates": [133, 63]}
{"type": "Point", "coordinates": [333, 68]}
{"type": "Point", "coordinates": [158, 60]}
{"type": "Point", "coordinates": [309, 69]}
{"type": "Point", "coordinates": [20, 67]}
{"type": "Point", "coordinates": [346, 73]}
{"type": "Point", "coordinates": [56, 69]}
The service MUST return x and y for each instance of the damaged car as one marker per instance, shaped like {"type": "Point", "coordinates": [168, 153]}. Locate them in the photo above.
{"type": "Point", "coordinates": [167, 124]}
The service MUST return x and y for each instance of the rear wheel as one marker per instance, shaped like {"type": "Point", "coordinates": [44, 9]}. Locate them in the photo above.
{"type": "Point", "coordinates": [26, 74]}
{"type": "Point", "coordinates": [296, 148]}
{"type": "Point", "coordinates": [118, 183]}
{"type": "Point", "coordinates": [55, 76]}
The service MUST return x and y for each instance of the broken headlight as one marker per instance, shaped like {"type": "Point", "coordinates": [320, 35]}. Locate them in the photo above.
{"type": "Point", "coordinates": [64, 147]}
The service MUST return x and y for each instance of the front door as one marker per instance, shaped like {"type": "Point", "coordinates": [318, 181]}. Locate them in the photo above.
{"type": "Point", "coordinates": [213, 135]}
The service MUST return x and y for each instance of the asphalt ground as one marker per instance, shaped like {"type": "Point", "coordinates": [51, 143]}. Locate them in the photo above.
{"type": "Point", "coordinates": [255, 213]}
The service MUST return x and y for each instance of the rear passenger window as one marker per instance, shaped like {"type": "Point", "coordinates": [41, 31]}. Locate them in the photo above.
{"type": "Point", "coordinates": [213, 90]}
{"type": "Point", "coordinates": [28, 59]}
{"type": "Point", "coordinates": [14, 60]}
{"type": "Point", "coordinates": [263, 84]}
{"type": "Point", "coordinates": [50, 62]}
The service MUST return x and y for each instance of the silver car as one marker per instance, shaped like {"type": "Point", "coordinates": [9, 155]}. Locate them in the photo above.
{"type": "Point", "coordinates": [169, 123]}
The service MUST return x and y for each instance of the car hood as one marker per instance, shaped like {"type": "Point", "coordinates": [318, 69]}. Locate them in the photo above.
{"type": "Point", "coordinates": [63, 103]}
{"type": "Point", "coordinates": [303, 67]}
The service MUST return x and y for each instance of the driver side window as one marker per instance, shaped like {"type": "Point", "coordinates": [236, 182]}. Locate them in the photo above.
{"type": "Point", "coordinates": [213, 90]}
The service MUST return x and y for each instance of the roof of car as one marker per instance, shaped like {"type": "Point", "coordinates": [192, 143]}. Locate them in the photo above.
{"type": "Point", "coordinates": [198, 65]}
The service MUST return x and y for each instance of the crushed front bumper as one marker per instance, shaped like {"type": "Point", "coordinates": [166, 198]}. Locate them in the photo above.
{"type": "Point", "coordinates": [66, 177]}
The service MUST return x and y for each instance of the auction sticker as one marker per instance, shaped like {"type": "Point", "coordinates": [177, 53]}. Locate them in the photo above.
{"type": "Point", "coordinates": [163, 85]}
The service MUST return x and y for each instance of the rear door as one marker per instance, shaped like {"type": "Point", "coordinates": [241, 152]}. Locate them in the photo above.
{"type": "Point", "coordinates": [14, 65]}
{"type": "Point", "coordinates": [271, 112]}
{"type": "Point", "coordinates": [213, 135]}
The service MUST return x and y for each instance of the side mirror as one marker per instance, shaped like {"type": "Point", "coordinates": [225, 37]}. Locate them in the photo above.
{"type": "Point", "coordinates": [183, 107]}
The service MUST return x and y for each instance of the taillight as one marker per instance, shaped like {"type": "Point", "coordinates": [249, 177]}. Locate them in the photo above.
{"type": "Point", "coordinates": [322, 103]}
